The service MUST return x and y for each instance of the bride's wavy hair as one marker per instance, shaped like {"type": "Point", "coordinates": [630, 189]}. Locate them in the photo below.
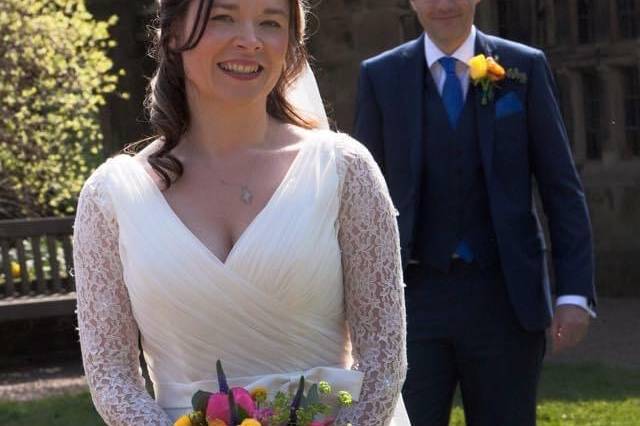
{"type": "Point", "coordinates": [166, 100]}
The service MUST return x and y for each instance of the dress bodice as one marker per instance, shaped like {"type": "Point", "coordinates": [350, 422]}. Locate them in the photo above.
{"type": "Point", "coordinates": [314, 281]}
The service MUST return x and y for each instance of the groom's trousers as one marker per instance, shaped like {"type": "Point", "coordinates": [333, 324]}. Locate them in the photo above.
{"type": "Point", "coordinates": [462, 330]}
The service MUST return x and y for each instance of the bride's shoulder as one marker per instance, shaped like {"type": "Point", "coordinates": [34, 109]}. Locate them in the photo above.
{"type": "Point", "coordinates": [95, 184]}
{"type": "Point", "coordinates": [341, 143]}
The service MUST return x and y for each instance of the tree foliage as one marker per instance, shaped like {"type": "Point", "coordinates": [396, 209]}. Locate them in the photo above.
{"type": "Point", "coordinates": [54, 76]}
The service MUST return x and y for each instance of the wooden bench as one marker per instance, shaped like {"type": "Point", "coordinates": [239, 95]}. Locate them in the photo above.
{"type": "Point", "coordinates": [36, 267]}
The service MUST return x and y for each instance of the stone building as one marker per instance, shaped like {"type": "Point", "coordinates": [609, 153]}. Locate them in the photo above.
{"type": "Point", "coordinates": [594, 50]}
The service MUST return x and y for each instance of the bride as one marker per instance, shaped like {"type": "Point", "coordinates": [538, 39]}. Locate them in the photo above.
{"type": "Point", "coordinates": [244, 233]}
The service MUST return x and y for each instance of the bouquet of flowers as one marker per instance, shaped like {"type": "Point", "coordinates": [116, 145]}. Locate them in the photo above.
{"type": "Point", "coordinates": [242, 407]}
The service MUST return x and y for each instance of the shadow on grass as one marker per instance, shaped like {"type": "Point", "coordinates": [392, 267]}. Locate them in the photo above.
{"type": "Point", "coordinates": [566, 382]}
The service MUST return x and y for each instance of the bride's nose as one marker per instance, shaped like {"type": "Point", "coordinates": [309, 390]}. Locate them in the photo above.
{"type": "Point", "coordinates": [248, 39]}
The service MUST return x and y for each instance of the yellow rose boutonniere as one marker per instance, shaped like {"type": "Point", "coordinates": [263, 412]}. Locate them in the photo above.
{"type": "Point", "coordinates": [487, 72]}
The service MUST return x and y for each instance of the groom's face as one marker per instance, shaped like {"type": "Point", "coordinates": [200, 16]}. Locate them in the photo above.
{"type": "Point", "coordinates": [447, 22]}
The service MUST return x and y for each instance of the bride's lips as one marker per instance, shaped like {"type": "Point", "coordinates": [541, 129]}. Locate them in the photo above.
{"type": "Point", "coordinates": [241, 69]}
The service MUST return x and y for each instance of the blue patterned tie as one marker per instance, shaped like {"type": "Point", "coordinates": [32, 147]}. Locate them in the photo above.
{"type": "Point", "coordinates": [453, 99]}
{"type": "Point", "coordinates": [452, 91]}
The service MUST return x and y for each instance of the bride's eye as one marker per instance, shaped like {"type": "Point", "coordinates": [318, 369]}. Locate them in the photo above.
{"type": "Point", "coordinates": [221, 18]}
{"type": "Point", "coordinates": [272, 24]}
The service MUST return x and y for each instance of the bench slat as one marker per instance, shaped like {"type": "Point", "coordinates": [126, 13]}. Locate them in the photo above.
{"type": "Point", "coordinates": [25, 288]}
{"type": "Point", "coordinates": [25, 228]}
{"type": "Point", "coordinates": [6, 267]}
{"type": "Point", "coordinates": [37, 262]}
{"type": "Point", "coordinates": [37, 307]}
{"type": "Point", "coordinates": [52, 248]}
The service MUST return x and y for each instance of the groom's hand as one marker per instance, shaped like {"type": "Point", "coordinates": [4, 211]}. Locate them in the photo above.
{"type": "Point", "coordinates": [570, 324]}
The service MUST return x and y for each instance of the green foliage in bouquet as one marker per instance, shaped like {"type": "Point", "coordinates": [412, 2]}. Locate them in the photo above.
{"type": "Point", "coordinates": [54, 76]}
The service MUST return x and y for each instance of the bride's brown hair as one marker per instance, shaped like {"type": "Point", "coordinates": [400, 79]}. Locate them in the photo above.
{"type": "Point", "coordinates": [166, 101]}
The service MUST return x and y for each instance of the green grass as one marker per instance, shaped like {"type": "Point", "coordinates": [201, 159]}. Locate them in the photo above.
{"type": "Point", "coordinates": [586, 395]}
{"type": "Point", "coordinates": [74, 410]}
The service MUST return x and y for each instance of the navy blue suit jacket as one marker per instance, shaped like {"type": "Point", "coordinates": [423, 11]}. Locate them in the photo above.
{"type": "Point", "coordinates": [521, 135]}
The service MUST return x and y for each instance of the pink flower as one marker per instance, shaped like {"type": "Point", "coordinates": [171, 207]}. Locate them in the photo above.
{"type": "Point", "coordinates": [263, 414]}
{"type": "Point", "coordinates": [218, 404]}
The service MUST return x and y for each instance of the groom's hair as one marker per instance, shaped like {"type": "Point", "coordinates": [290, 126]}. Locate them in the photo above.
{"type": "Point", "coordinates": [166, 101]}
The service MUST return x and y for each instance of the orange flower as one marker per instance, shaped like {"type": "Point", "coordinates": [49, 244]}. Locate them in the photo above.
{"type": "Point", "coordinates": [183, 421]}
{"type": "Point", "coordinates": [494, 70]}
{"type": "Point", "coordinates": [250, 422]}
{"type": "Point", "coordinates": [216, 422]}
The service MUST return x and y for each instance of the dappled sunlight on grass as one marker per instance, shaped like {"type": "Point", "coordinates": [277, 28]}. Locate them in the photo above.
{"type": "Point", "coordinates": [584, 395]}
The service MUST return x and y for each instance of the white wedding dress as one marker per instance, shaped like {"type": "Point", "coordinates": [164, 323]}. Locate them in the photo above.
{"type": "Point", "coordinates": [313, 286]}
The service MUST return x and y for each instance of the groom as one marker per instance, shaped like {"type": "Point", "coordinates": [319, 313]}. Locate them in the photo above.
{"type": "Point", "coordinates": [459, 164]}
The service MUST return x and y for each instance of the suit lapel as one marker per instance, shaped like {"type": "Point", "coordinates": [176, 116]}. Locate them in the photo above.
{"type": "Point", "coordinates": [411, 90]}
{"type": "Point", "coordinates": [485, 114]}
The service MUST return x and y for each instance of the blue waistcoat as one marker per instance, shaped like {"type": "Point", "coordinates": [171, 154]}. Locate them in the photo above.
{"type": "Point", "coordinates": [454, 202]}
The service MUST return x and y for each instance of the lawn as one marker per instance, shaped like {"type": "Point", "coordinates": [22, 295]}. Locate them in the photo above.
{"type": "Point", "coordinates": [586, 395]}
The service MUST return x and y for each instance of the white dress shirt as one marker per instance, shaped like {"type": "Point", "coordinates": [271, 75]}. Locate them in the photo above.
{"type": "Point", "coordinates": [463, 54]}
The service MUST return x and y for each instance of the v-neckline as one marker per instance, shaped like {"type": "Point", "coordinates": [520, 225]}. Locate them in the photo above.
{"type": "Point", "coordinates": [172, 213]}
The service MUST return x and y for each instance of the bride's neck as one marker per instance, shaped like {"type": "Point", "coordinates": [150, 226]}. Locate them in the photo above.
{"type": "Point", "coordinates": [220, 129]}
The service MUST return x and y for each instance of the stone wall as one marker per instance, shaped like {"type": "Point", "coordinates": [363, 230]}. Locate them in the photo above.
{"type": "Point", "coordinates": [346, 32]}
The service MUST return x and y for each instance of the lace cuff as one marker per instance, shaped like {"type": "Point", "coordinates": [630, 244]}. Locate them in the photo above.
{"type": "Point", "coordinates": [108, 332]}
{"type": "Point", "coordinates": [373, 286]}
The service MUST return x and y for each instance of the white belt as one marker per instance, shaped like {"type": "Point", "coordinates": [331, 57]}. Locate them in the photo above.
{"type": "Point", "coordinates": [178, 395]}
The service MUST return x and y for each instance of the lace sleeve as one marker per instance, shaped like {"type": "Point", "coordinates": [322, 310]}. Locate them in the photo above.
{"type": "Point", "coordinates": [373, 286]}
{"type": "Point", "coordinates": [108, 332]}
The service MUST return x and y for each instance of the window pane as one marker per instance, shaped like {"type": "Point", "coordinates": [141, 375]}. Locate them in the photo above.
{"type": "Point", "coordinates": [592, 100]}
{"type": "Point", "coordinates": [631, 76]}
{"type": "Point", "coordinates": [628, 16]}
{"type": "Point", "coordinates": [585, 21]}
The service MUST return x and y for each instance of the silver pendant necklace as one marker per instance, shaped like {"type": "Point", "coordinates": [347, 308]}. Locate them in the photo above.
{"type": "Point", "coordinates": [245, 194]}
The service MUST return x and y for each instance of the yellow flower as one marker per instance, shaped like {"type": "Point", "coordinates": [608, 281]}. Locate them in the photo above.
{"type": "Point", "coordinates": [345, 398]}
{"type": "Point", "coordinates": [259, 394]}
{"type": "Point", "coordinates": [216, 422]}
{"type": "Point", "coordinates": [15, 269]}
{"type": "Point", "coordinates": [250, 422]}
{"type": "Point", "coordinates": [478, 67]}
{"type": "Point", "coordinates": [183, 421]}
{"type": "Point", "coordinates": [324, 387]}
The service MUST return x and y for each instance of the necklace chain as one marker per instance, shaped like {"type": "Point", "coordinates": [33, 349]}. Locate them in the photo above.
{"type": "Point", "coordinates": [246, 195]}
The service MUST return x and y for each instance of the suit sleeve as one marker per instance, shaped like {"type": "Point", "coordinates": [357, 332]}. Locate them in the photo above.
{"type": "Point", "coordinates": [562, 194]}
{"type": "Point", "coordinates": [368, 122]}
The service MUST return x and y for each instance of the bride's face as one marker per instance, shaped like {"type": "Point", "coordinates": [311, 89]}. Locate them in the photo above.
{"type": "Point", "coordinates": [242, 52]}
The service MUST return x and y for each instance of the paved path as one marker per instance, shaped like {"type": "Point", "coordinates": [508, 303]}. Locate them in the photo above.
{"type": "Point", "coordinates": [26, 384]}
{"type": "Point", "coordinates": [614, 340]}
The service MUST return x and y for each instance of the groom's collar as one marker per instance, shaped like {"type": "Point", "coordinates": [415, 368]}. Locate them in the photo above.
{"type": "Point", "coordinates": [464, 53]}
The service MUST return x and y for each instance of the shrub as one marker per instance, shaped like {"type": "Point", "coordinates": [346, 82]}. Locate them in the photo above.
{"type": "Point", "coordinates": [54, 76]}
